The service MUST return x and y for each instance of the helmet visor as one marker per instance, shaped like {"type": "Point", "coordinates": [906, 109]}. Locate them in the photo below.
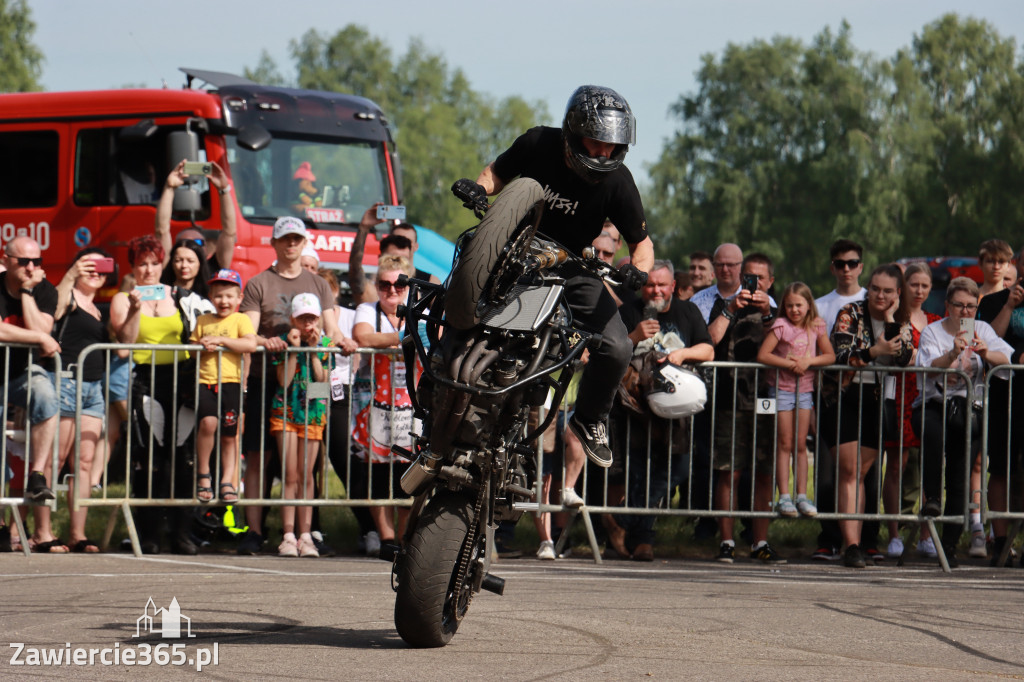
{"type": "Point", "coordinates": [614, 126]}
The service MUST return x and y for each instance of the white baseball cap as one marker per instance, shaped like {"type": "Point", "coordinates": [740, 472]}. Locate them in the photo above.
{"type": "Point", "coordinates": [306, 304]}
{"type": "Point", "coordinates": [289, 225]}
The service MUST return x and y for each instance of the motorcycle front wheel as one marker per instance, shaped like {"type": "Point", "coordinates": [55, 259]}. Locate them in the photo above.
{"type": "Point", "coordinates": [486, 266]}
{"type": "Point", "coordinates": [424, 614]}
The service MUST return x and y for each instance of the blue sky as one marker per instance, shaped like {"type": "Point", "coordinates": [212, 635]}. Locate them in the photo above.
{"type": "Point", "coordinates": [648, 50]}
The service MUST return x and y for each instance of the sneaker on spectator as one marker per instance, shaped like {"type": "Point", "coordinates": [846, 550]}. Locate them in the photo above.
{"type": "Point", "coordinates": [594, 438]}
{"type": "Point", "coordinates": [874, 555]}
{"type": "Point", "coordinates": [37, 490]}
{"type": "Point", "coordinates": [997, 549]}
{"type": "Point", "coordinates": [306, 548]}
{"type": "Point", "coordinates": [895, 549]}
{"type": "Point", "coordinates": [546, 551]}
{"type": "Point", "coordinates": [853, 557]}
{"type": "Point", "coordinates": [570, 499]}
{"type": "Point", "coordinates": [288, 547]}
{"type": "Point", "coordinates": [977, 547]}
{"type": "Point", "coordinates": [825, 554]}
{"type": "Point", "coordinates": [785, 507]}
{"type": "Point", "coordinates": [322, 548]}
{"type": "Point", "coordinates": [726, 553]}
{"type": "Point", "coordinates": [371, 542]}
{"type": "Point", "coordinates": [931, 508]}
{"type": "Point", "coordinates": [806, 507]}
{"type": "Point", "coordinates": [251, 544]}
{"type": "Point", "coordinates": [767, 554]}
{"type": "Point", "coordinates": [926, 548]}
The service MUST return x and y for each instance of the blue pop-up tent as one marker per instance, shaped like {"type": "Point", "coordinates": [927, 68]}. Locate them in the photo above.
{"type": "Point", "coordinates": [435, 253]}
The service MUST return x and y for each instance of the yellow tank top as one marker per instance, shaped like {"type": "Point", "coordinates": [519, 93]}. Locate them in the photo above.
{"type": "Point", "coordinates": [163, 330]}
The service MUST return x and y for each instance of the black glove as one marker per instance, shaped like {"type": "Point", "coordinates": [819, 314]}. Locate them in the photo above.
{"type": "Point", "coordinates": [473, 195]}
{"type": "Point", "coordinates": [632, 277]}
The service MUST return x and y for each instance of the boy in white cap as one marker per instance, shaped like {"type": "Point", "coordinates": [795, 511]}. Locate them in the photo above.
{"type": "Point", "coordinates": [221, 373]}
{"type": "Point", "coordinates": [297, 421]}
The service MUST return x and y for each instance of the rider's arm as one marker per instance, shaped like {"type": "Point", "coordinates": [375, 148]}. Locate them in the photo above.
{"type": "Point", "coordinates": [490, 181]}
{"type": "Point", "coordinates": [641, 254]}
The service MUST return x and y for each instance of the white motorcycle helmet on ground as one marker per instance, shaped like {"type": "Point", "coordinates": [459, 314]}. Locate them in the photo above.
{"type": "Point", "coordinates": [677, 392]}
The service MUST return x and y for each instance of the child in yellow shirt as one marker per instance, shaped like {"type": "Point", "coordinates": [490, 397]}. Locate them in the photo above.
{"type": "Point", "coordinates": [220, 376]}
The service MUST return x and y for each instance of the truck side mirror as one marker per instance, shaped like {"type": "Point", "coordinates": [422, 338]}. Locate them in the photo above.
{"type": "Point", "coordinates": [253, 137]}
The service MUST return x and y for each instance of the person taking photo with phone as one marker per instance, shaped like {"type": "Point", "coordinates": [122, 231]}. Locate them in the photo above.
{"type": "Point", "coordinates": [948, 411]}
{"type": "Point", "coordinates": [221, 255]}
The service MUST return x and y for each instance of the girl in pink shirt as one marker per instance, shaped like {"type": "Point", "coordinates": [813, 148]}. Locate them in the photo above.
{"type": "Point", "coordinates": [797, 342]}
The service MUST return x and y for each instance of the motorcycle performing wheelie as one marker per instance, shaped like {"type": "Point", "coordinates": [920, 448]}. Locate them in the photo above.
{"type": "Point", "coordinates": [499, 336]}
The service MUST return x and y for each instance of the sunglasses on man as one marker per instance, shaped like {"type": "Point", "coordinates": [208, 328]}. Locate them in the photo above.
{"type": "Point", "coordinates": [840, 264]}
{"type": "Point", "coordinates": [23, 261]}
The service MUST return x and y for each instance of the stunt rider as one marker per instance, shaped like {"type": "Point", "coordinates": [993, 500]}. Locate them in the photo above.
{"type": "Point", "coordinates": [585, 183]}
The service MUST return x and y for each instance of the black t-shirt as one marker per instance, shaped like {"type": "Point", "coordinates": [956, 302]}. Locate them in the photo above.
{"type": "Point", "coordinates": [682, 322]}
{"type": "Point", "coordinates": [45, 295]}
{"type": "Point", "coordinates": [575, 209]}
{"type": "Point", "coordinates": [76, 330]}
{"type": "Point", "coordinates": [989, 309]}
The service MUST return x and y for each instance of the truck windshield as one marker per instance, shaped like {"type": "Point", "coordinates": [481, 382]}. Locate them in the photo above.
{"type": "Point", "coordinates": [328, 181]}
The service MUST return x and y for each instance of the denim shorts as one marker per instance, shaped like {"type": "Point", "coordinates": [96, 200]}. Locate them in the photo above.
{"type": "Point", "coordinates": [43, 404]}
{"type": "Point", "coordinates": [120, 375]}
{"type": "Point", "coordinates": [92, 398]}
{"type": "Point", "coordinates": [785, 401]}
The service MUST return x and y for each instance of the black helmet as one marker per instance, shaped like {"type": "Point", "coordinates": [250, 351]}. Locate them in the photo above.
{"type": "Point", "coordinates": [601, 114]}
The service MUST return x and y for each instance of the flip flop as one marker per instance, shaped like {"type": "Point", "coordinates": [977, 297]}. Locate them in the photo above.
{"type": "Point", "coordinates": [51, 547]}
{"type": "Point", "coordinates": [229, 493]}
{"type": "Point", "coordinates": [85, 547]}
{"type": "Point", "coordinates": [201, 490]}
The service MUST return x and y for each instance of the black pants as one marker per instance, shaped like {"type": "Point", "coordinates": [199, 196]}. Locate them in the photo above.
{"type": "Point", "coordinates": [338, 452]}
{"type": "Point", "coordinates": [594, 310]}
{"type": "Point", "coordinates": [168, 473]}
{"type": "Point", "coordinates": [944, 442]}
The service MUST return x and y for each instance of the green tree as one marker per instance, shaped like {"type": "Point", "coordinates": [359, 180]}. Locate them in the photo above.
{"type": "Point", "coordinates": [967, 165]}
{"type": "Point", "coordinates": [779, 152]}
{"type": "Point", "coordinates": [266, 71]}
{"type": "Point", "coordinates": [20, 60]}
{"type": "Point", "coordinates": [444, 128]}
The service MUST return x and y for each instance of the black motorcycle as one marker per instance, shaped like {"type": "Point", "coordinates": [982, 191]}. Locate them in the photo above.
{"type": "Point", "coordinates": [498, 337]}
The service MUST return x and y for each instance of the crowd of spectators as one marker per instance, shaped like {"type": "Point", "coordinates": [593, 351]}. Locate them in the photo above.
{"type": "Point", "coordinates": [857, 423]}
{"type": "Point", "coordinates": [722, 306]}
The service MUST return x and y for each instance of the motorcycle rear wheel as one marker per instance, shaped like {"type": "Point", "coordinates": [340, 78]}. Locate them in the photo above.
{"type": "Point", "coordinates": [506, 229]}
{"type": "Point", "coordinates": [426, 573]}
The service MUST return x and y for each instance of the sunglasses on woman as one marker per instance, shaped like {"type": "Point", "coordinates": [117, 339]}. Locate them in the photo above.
{"type": "Point", "coordinates": [385, 285]}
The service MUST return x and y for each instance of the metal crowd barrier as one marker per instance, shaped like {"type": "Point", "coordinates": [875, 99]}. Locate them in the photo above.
{"type": "Point", "coordinates": [16, 448]}
{"type": "Point", "coordinates": [1003, 439]}
{"type": "Point", "coordinates": [679, 464]}
{"type": "Point", "coordinates": [667, 473]}
{"type": "Point", "coordinates": [143, 449]}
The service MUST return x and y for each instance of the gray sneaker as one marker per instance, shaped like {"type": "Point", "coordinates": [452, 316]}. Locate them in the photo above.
{"type": "Point", "coordinates": [372, 542]}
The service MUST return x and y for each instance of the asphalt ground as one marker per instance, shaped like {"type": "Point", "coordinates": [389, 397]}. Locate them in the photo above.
{"type": "Point", "coordinates": [325, 619]}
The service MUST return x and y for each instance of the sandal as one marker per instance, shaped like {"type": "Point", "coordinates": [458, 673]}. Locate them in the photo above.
{"type": "Point", "coordinates": [85, 547]}
{"type": "Point", "coordinates": [204, 490]}
{"type": "Point", "coordinates": [229, 495]}
{"type": "Point", "coordinates": [51, 547]}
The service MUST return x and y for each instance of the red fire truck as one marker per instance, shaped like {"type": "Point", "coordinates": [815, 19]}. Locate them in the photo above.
{"type": "Point", "coordinates": [84, 169]}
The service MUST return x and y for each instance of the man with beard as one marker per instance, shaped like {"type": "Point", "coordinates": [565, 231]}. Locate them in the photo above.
{"type": "Point", "coordinates": [676, 331]}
